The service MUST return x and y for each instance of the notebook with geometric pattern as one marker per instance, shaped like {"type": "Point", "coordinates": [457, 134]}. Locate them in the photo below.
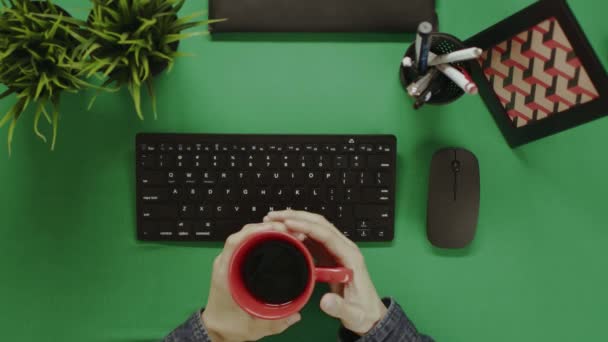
{"type": "Point", "coordinates": [537, 73]}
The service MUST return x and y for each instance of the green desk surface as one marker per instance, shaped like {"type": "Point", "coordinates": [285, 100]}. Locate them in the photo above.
{"type": "Point", "coordinates": [71, 269]}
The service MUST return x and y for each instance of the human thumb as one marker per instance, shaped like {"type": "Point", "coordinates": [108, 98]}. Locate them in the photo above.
{"type": "Point", "coordinates": [337, 307]}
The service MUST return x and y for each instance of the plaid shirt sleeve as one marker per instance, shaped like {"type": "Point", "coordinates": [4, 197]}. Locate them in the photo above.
{"type": "Point", "coordinates": [192, 330]}
{"type": "Point", "coordinates": [394, 327]}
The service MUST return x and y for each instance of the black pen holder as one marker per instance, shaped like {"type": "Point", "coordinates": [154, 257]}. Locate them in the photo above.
{"type": "Point", "coordinates": [441, 43]}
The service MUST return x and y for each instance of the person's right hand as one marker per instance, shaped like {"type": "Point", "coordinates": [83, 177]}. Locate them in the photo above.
{"type": "Point", "coordinates": [357, 303]}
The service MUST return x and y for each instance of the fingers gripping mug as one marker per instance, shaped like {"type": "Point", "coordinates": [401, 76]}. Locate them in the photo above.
{"type": "Point", "coordinates": [272, 275]}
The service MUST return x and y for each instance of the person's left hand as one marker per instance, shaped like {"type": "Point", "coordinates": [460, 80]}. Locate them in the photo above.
{"type": "Point", "coordinates": [222, 317]}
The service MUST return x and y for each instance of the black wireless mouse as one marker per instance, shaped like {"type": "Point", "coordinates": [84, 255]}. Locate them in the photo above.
{"type": "Point", "coordinates": [453, 203]}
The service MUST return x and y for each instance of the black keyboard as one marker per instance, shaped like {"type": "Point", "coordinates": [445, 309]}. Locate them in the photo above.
{"type": "Point", "coordinates": [203, 187]}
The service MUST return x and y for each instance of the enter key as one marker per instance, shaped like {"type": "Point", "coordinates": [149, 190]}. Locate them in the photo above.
{"type": "Point", "coordinates": [374, 213]}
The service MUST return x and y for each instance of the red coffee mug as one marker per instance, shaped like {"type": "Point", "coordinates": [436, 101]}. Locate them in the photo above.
{"type": "Point", "coordinates": [255, 307]}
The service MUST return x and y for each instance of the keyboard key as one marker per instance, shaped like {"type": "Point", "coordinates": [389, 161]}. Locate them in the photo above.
{"type": "Point", "coordinates": [366, 148]}
{"type": "Point", "coordinates": [152, 178]}
{"type": "Point", "coordinates": [297, 178]}
{"type": "Point", "coordinates": [363, 234]}
{"type": "Point", "coordinates": [380, 234]}
{"type": "Point", "coordinates": [312, 177]}
{"type": "Point", "coordinates": [204, 211]}
{"type": "Point", "coordinates": [351, 194]}
{"type": "Point", "coordinates": [200, 161]}
{"type": "Point", "coordinates": [255, 213]}
{"type": "Point", "coordinates": [340, 162]}
{"type": "Point", "coordinates": [344, 211]}
{"type": "Point", "coordinates": [157, 211]}
{"type": "Point", "coordinates": [366, 178]}
{"type": "Point", "coordinates": [383, 148]}
{"type": "Point", "coordinates": [311, 147]}
{"type": "Point", "coordinates": [299, 194]}
{"type": "Point", "coordinates": [242, 176]}
{"type": "Point", "coordinates": [357, 161]}
{"type": "Point", "coordinates": [331, 194]}
{"type": "Point", "coordinates": [264, 194]}
{"type": "Point", "coordinates": [192, 193]}
{"type": "Point", "coordinates": [229, 194]}
{"type": "Point", "coordinates": [236, 210]}
{"type": "Point", "coordinates": [382, 178]}
{"type": "Point", "coordinates": [190, 177]}
{"type": "Point", "coordinates": [271, 161]}
{"type": "Point", "coordinates": [203, 230]}
{"type": "Point", "coordinates": [209, 177]}
{"type": "Point", "coordinates": [293, 148]}
{"type": "Point", "coordinates": [348, 148]}
{"type": "Point", "coordinates": [349, 178]}
{"type": "Point", "coordinates": [166, 161]}
{"type": "Point", "coordinates": [322, 162]}
{"type": "Point", "coordinates": [373, 212]}
{"type": "Point", "coordinates": [282, 194]}
{"type": "Point", "coordinates": [379, 162]}
{"type": "Point", "coordinates": [328, 210]}
{"type": "Point", "coordinates": [184, 228]}
{"type": "Point", "coordinates": [218, 161]}
{"type": "Point", "coordinates": [346, 232]}
{"type": "Point", "coordinates": [225, 177]}
{"type": "Point", "coordinates": [376, 194]}
{"type": "Point", "coordinates": [227, 227]}
{"type": "Point", "coordinates": [330, 148]}
{"type": "Point", "coordinates": [221, 211]}
{"type": "Point", "coordinates": [175, 193]}
{"type": "Point", "coordinates": [166, 229]}
{"type": "Point", "coordinates": [186, 211]}
{"type": "Point", "coordinates": [363, 224]}
{"type": "Point", "coordinates": [210, 195]}
{"type": "Point", "coordinates": [149, 230]}
{"type": "Point", "coordinates": [330, 177]}
{"type": "Point", "coordinates": [275, 177]}
{"type": "Point", "coordinates": [249, 161]}
{"type": "Point", "coordinates": [235, 161]}
{"type": "Point", "coordinates": [154, 194]}
{"type": "Point", "coordinates": [288, 161]}
{"type": "Point", "coordinates": [173, 177]}
{"type": "Point", "coordinates": [147, 161]}
{"type": "Point", "coordinates": [317, 195]}
{"type": "Point", "coordinates": [183, 161]}
{"type": "Point", "coordinates": [246, 194]}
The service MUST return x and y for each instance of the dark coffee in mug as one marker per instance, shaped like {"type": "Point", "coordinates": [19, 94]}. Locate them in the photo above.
{"type": "Point", "coordinates": [275, 272]}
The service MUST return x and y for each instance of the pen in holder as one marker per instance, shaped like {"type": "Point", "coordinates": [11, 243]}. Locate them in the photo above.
{"type": "Point", "coordinates": [443, 88]}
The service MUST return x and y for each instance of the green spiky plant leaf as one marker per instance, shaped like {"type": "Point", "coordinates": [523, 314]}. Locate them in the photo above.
{"type": "Point", "coordinates": [132, 40]}
{"type": "Point", "coordinates": [39, 59]}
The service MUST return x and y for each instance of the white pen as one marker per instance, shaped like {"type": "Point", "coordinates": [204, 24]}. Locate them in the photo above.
{"type": "Point", "coordinates": [456, 56]}
{"type": "Point", "coordinates": [416, 88]}
{"type": "Point", "coordinates": [459, 78]}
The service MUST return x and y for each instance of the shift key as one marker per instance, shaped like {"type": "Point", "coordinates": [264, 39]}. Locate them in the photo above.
{"type": "Point", "coordinates": [157, 211]}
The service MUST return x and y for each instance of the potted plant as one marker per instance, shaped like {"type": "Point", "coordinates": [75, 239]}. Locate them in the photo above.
{"type": "Point", "coordinates": [131, 41]}
{"type": "Point", "coordinates": [39, 60]}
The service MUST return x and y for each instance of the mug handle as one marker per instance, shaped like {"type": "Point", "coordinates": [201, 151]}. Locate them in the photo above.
{"type": "Point", "coordinates": [333, 274]}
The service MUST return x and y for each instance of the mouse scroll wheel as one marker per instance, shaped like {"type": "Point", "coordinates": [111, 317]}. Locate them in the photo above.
{"type": "Point", "coordinates": [456, 166]}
